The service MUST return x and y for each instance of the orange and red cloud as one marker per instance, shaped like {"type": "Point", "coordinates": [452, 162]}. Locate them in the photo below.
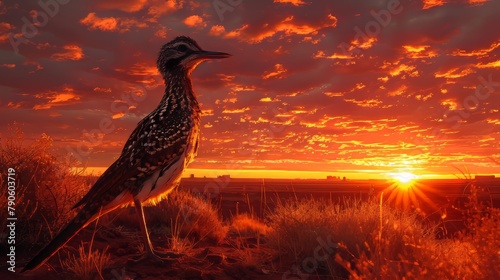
{"type": "Point", "coordinates": [303, 89]}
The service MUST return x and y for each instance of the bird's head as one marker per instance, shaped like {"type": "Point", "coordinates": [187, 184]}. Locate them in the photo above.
{"type": "Point", "coordinates": [183, 53]}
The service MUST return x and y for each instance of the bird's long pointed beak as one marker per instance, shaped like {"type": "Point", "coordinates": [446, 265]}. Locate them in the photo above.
{"type": "Point", "coordinates": [212, 55]}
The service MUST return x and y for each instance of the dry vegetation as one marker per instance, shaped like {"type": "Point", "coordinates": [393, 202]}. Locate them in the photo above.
{"type": "Point", "coordinates": [87, 264]}
{"type": "Point", "coordinates": [193, 216]}
{"type": "Point", "coordinates": [370, 240]}
{"type": "Point", "coordinates": [47, 188]}
{"type": "Point", "coordinates": [309, 239]}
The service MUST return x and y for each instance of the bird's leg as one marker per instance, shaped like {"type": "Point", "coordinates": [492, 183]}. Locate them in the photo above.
{"type": "Point", "coordinates": [148, 247]}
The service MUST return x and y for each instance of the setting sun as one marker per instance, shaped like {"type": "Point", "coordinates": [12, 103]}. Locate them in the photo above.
{"type": "Point", "coordinates": [403, 177]}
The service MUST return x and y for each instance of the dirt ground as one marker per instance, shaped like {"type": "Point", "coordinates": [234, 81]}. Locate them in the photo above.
{"type": "Point", "coordinates": [204, 261]}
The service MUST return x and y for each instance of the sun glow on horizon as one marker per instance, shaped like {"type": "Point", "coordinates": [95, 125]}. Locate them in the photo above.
{"type": "Point", "coordinates": [289, 174]}
{"type": "Point", "coordinates": [408, 192]}
{"type": "Point", "coordinates": [403, 177]}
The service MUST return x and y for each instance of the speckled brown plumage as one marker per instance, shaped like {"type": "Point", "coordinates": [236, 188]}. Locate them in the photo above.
{"type": "Point", "coordinates": [152, 160]}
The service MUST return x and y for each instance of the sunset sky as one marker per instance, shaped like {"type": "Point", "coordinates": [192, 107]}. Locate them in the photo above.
{"type": "Point", "coordinates": [347, 88]}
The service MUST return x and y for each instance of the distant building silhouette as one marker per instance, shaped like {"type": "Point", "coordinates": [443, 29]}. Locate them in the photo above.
{"type": "Point", "coordinates": [191, 176]}
{"type": "Point", "coordinates": [344, 178]}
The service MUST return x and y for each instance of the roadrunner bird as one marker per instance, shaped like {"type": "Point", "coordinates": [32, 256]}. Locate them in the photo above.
{"type": "Point", "coordinates": [153, 158]}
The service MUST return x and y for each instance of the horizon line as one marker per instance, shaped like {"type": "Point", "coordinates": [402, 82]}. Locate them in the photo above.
{"type": "Point", "coordinates": [292, 174]}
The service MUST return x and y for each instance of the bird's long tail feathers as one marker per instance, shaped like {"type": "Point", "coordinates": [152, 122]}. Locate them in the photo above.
{"type": "Point", "coordinates": [83, 218]}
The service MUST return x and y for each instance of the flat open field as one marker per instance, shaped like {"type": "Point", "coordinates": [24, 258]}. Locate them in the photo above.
{"type": "Point", "coordinates": [433, 197]}
{"type": "Point", "coordinates": [244, 255]}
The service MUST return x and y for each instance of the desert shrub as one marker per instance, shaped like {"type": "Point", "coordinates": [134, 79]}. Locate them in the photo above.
{"type": "Point", "coordinates": [188, 215]}
{"type": "Point", "coordinates": [369, 240]}
{"type": "Point", "coordinates": [405, 249]}
{"type": "Point", "coordinates": [371, 228]}
{"type": "Point", "coordinates": [296, 226]}
{"type": "Point", "coordinates": [482, 223]}
{"type": "Point", "coordinates": [485, 240]}
{"type": "Point", "coordinates": [46, 186]}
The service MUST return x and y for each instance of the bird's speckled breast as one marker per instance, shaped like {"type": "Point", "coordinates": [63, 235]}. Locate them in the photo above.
{"type": "Point", "coordinates": [166, 179]}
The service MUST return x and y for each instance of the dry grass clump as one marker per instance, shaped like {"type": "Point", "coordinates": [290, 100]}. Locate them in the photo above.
{"type": "Point", "coordinates": [420, 258]}
{"type": "Point", "coordinates": [245, 225]}
{"type": "Point", "coordinates": [46, 186]}
{"type": "Point", "coordinates": [188, 216]}
{"type": "Point", "coordinates": [246, 234]}
{"type": "Point", "coordinates": [386, 238]}
{"type": "Point", "coordinates": [87, 265]}
{"type": "Point", "coordinates": [369, 240]}
{"type": "Point", "coordinates": [485, 240]}
{"type": "Point", "coordinates": [482, 231]}
{"type": "Point", "coordinates": [296, 226]}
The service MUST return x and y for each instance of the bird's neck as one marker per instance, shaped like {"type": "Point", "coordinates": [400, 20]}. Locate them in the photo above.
{"type": "Point", "coordinates": [178, 90]}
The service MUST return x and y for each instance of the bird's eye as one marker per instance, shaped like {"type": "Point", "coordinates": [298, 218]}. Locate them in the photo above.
{"type": "Point", "coordinates": [181, 48]}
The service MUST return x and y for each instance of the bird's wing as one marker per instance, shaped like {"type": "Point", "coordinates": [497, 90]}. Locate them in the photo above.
{"type": "Point", "coordinates": [151, 145]}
